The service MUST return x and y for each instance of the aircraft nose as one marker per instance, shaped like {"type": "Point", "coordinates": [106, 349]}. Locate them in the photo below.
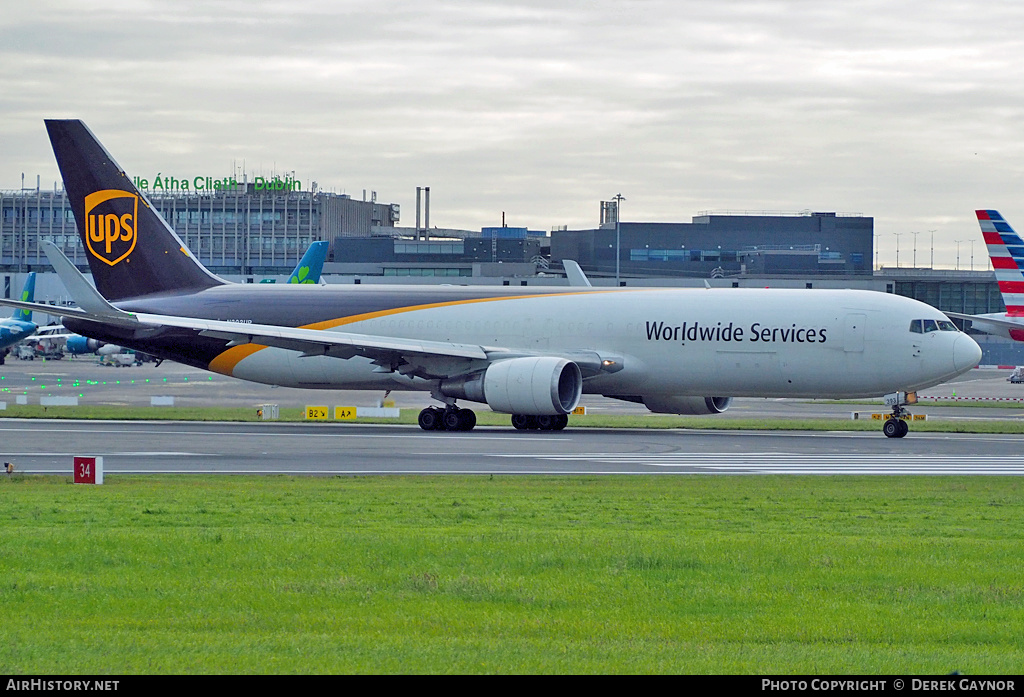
{"type": "Point", "coordinates": [966, 353]}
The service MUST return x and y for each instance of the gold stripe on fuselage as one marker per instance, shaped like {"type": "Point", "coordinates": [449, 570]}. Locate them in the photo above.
{"type": "Point", "coordinates": [226, 362]}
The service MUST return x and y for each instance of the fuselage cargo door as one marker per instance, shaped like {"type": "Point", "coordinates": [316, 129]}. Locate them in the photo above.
{"type": "Point", "coordinates": [853, 332]}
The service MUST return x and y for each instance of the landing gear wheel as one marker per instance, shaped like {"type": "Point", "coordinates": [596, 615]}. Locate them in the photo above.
{"type": "Point", "coordinates": [545, 422]}
{"type": "Point", "coordinates": [895, 428]}
{"type": "Point", "coordinates": [891, 428]}
{"type": "Point", "coordinates": [430, 419]}
{"type": "Point", "coordinates": [456, 419]}
{"type": "Point", "coordinates": [467, 419]}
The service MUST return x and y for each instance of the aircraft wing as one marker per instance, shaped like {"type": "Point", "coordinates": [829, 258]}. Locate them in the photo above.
{"type": "Point", "coordinates": [980, 319]}
{"type": "Point", "coordinates": [314, 342]}
{"type": "Point", "coordinates": [55, 310]}
{"type": "Point", "coordinates": [387, 351]}
{"type": "Point", "coordinates": [309, 341]}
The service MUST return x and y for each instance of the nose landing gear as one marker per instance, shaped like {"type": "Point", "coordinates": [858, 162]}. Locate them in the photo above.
{"type": "Point", "coordinates": [895, 426]}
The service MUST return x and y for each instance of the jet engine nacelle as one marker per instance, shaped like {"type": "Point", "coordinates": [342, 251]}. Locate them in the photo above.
{"type": "Point", "coordinates": [81, 344]}
{"type": "Point", "coordinates": [545, 385]}
{"type": "Point", "coordinates": [668, 404]}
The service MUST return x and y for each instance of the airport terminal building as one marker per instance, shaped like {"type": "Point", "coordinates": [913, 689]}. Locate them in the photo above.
{"type": "Point", "coordinates": [722, 244]}
{"type": "Point", "coordinates": [242, 228]}
{"type": "Point", "coordinates": [246, 231]}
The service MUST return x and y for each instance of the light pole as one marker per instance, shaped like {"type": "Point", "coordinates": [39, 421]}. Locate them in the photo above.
{"type": "Point", "coordinates": [618, 198]}
{"type": "Point", "coordinates": [915, 234]}
{"type": "Point", "coordinates": [877, 235]}
{"type": "Point", "coordinates": [897, 248]}
{"type": "Point", "coordinates": [972, 255]}
{"type": "Point", "coordinates": [931, 264]}
{"type": "Point", "coordinates": [958, 253]}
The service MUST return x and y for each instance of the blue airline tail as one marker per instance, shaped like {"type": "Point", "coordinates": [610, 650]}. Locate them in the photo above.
{"type": "Point", "coordinates": [28, 295]}
{"type": "Point", "coordinates": [311, 265]}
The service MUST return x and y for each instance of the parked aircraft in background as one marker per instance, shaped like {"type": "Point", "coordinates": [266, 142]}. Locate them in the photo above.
{"type": "Point", "coordinates": [1006, 249]}
{"type": "Point", "coordinates": [311, 265]}
{"type": "Point", "coordinates": [529, 352]}
{"type": "Point", "coordinates": [18, 326]}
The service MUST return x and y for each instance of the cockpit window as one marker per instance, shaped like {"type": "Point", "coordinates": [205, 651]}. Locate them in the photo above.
{"type": "Point", "coordinates": [923, 326]}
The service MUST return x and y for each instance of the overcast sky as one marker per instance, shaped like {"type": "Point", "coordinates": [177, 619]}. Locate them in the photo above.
{"type": "Point", "coordinates": [910, 112]}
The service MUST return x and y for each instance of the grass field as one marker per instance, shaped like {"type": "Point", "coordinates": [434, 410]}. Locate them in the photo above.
{"type": "Point", "coordinates": [176, 574]}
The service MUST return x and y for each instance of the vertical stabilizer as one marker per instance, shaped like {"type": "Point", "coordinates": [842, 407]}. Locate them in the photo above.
{"type": "Point", "coordinates": [131, 250]}
{"type": "Point", "coordinates": [311, 265]}
{"type": "Point", "coordinates": [1006, 249]}
{"type": "Point", "coordinates": [28, 295]}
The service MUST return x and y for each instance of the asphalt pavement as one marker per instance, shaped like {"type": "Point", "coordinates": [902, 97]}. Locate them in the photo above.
{"type": "Point", "coordinates": [95, 384]}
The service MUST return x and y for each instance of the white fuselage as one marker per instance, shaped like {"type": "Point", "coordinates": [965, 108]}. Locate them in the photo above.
{"type": "Point", "coordinates": [728, 342]}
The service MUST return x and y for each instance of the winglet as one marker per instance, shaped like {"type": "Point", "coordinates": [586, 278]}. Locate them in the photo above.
{"type": "Point", "coordinates": [87, 297]}
{"type": "Point", "coordinates": [575, 274]}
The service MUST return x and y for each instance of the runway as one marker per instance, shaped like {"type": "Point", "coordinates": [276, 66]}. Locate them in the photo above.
{"type": "Point", "coordinates": [94, 384]}
{"type": "Point", "coordinates": [334, 448]}
{"type": "Point", "coordinates": [47, 447]}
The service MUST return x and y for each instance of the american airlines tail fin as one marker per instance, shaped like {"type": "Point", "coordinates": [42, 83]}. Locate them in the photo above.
{"type": "Point", "coordinates": [27, 295]}
{"type": "Point", "coordinates": [131, 250]}
{"type": "Point", "coordinates": [1006, 249]}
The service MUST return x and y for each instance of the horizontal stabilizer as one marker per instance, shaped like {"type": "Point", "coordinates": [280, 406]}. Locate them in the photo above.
{"type": "Point", "coordinates": [87, 297]}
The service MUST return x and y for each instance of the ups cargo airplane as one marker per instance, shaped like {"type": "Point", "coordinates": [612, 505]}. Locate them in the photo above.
{"type": "Point", "coordinates": [526, 352]}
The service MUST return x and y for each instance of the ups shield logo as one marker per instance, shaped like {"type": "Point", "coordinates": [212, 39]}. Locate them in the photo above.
{"type": "Point", "coordinates": [110, 224]}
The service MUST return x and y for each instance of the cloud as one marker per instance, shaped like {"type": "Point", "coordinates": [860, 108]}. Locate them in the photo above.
{"type": "Point", "coordinates": [905, 112]}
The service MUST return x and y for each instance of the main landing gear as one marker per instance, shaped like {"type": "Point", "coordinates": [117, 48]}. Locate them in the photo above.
{"type": "Point", "coordinates": [895, 426]}
{"type": "Point", "coordinates": [452, 418]}
{"type": "Point", "coordinates": [522, 422]}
